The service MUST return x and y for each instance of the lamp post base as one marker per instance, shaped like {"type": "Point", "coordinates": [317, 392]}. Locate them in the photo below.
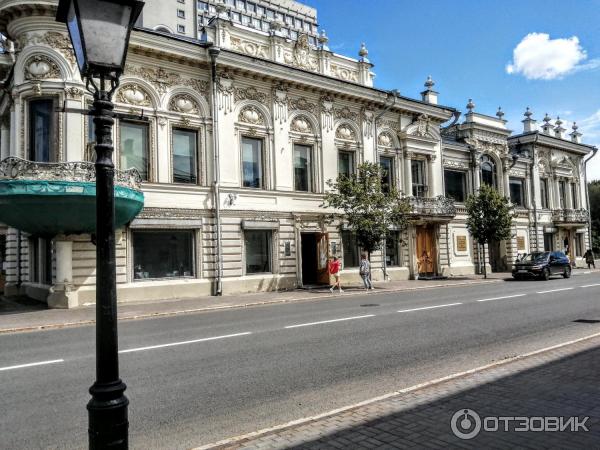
{"type": "Point", "coordinates": [108, 419]}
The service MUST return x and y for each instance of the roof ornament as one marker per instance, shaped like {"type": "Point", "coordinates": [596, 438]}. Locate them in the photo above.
{"type": "Point", "coordinates": [323, 40]}
{"type": "Point", "coordinates": [470, 106]}
{"type": "Point", "coordinates": [500, 113]}
{"type": "Point", "coordinates": [363, 53]}
{"type": "Point", "coordinates": [429, 83]}
{"type": "Point", "coordinates": [575, 135]}
{"type": "Point", "coordinates": [528, 113]}
{"type": "Point", "coordinates": [559, 130]}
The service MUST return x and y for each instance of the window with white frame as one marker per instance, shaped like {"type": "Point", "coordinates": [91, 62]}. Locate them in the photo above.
{"type": "Point", "coordinates": [185, 168]}
{"type": "Point", "coordinates": [181, 13]}
{"type": "Point", "coordinates": [252, 163]}
{"type": "Point", "coordinates": [163, 254]}
{"type": "Point", "coordinates": [302, 168]}
{"type": "Point", "coordinates": [258, 251]}
{"type": "Point", "coordinates": [517, 191]}
{"type": "Point", "coordinates": [42, 130]}
{"type": "Point", "coordinates": [419, 182]}
{"type": "Point", "coordinates": [387, 173]}
{"type": "Point", "coordinates": [181, 28]}
{"type": "Point", "coordinates": [544, 193]}
{"type": "Point", "coordinates": [134, 151]}
{"type": "Point", "coordinates": [345, 163]}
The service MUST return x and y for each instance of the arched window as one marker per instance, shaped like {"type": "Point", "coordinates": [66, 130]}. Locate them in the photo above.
{"type": "Point", "coordinates": [488, 171]}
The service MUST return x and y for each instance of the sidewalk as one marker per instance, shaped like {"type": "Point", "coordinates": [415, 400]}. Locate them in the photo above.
{"type": "Point", "coordinates": [556, 382]}
{"type": "Point", "coordinates": [28, 315]}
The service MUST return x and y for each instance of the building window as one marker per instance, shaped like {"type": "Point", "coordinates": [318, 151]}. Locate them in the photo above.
{"type": "Point", "coordinates": [252, 163]}
{"type": "Point", "coordinates": [163, 254]}
{"type": "Point", "coordinates": [517, 196]}
{"type": "Point", "coordinates": [419, 188]}
{"type": "Point", "coordinates": [345, 163]}
{"type": "Point", "coordinates": [134, 147]}
{"type": "Point", "coordinates": [574, 195]}
{"type": "Point", "coordinates": [488, 171]}
{"type": "Point", "coordinates": [202, 6]}
{"type": "Point", "coordinates": [387, 174]}
{"type": "Point", "coordinates": [41, 131]}
{"type": "Point", "coordinates": [302, 168]}
{"type": "Point", "coordinates": [562, 194]}
{"type": "Point", "coordinates": [392, 250]}
{"type": "Point", "coordinates": [181, 13]}
{"type": "Point", "coordinates": [456, 185]}
{"type": "Point", "coordinates": [181, 1]}
{"type": "Point", "coordinates": [181, 28]}
{"type": "Point", "coordinates": [349, 249]}
{"type": "Point", "coordinates": [184, 156]}
{"type": "Point", "coordinates": [40, 254]}
{"type": "Point", "coordinates": [257, 244]}
{"type": "Point", "coordinates": [544, 193]}
{"type": "Point", "coordinates": [579, 244]}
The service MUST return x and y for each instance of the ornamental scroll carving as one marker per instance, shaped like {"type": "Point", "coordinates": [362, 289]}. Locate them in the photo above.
{"type": "Point", "coordinates": [280, 101]}
{"type": "Point", "coordinates": [301, 55]}
{"type": "Point", "coordinates": [343, 73]}
{"type": "Point", "coordinates": [302, 104]}
{"type": "Point", "coordinates": [345, 113]}
{"type": "Point", "coordinates": [162, 80]}
{"type": "Point", "coordinates": [184, 103]}
{"type": "Point", "coordinates": [327, 112]}
{"type": "Point", "coordinates": [53, 39]}
{"type": "Point", "coordinates": [133, 94]}
{"type": "Point", "coordinates": [251, 115]}
{"type": "Point", "coordinates": [250, 93]}
{"type": "Point", "coordinates": [488, 147]}
{"type": "Point", "coordinates": [385, 140]}
{"type": "Point", "coordinates": [454, 164]}
{"type": "Point", "coordinates": [39, 67]}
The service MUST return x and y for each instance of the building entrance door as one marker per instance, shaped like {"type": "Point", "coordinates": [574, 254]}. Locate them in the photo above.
{"type": "Point", "coordinates": [426, 250]}
{"type": "Point", "coordinates": [315, 255]}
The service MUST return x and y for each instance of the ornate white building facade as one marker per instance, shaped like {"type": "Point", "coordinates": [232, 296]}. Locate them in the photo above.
{"type": "Point", "coordinates": [235, 146]}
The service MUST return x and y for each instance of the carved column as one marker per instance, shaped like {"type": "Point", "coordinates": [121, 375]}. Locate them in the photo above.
{"type": "Point", "coordinates": [569, 195]}
{"type": "Point", "coordinates": [407, 174]}
{"type": "Point", "coordinates": [4, 137]}
{"type": "Point", "coordinates": [505, 178]}
{"type": "Point", "coordinates": [431, 179]}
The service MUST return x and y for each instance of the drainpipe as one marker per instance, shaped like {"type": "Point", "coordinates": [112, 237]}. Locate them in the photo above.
{"type": "Point", "coordinates": [587, 196]}
{"type": "Point", "coordinates": [393, 93]}
{"type": "Point", "coordinates": [214, 53]}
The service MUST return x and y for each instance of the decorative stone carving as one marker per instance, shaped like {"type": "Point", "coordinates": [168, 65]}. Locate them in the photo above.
{"type": "Point", "coordinates": [385, 140]}
{"type": "Point", "coordinates": [423, 123]}
{"type": "Point", "coordinates": [302, 104]}
{"type": "Point", "coordinates": [250, 93]}
{"type": "Point", "coordinates": [159, 77]}
{"type": "Point", "coordinates": [74, 92]}
{"type": "Point", "coordinates": [301, 55]}
{"type": "Point", "coordinates": [346, 133]}
{"type": "Point", "coordinates": [343, 73]}
{"type": "Point", "coordinates": [53, 39]}
{"type": "Point", "coordinates": [280, 101]}
{"type": "Point", "coordinates": [301, 124]}
{"type": "Point", "coordinates": [436, 206]}
{"type": "Point", "coordinates": [327, 112]}
{"type": "Point", "coordinates": [133, 94]}
{"type": "Point", "coordinates": [251, 114]}
{"type": "Point", "coordinates": [184, 103]}
{"type": "Point", "coordinates": [367, 117]}
{"type": "Point", "coordinates": [346, 113]}
{"type": "Point", "coordinates": [200, 86]}
{"type": "Point", "coordinates": [454, 164]}
{"type": "Point", "coordinates": [40, 67]}
{"type": "Point", "coordinates": [16, 168]}
{"type": "Point", "coordinates": [249, 48]}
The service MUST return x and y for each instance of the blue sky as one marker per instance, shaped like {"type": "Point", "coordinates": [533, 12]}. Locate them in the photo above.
{"type": "Point", "coordinates": [467, 46]}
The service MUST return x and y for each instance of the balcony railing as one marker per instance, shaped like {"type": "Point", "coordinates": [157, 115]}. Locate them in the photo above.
{"type": "Point", "coordinates": [439, 206]}
{"type": "Point", "coordinates": [14, 168]}
{"type": "Point", "coordinates": [571, 216]}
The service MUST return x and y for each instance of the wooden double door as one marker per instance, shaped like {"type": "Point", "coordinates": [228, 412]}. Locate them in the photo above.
{"type": "Point", "coordinates": [426, 250]}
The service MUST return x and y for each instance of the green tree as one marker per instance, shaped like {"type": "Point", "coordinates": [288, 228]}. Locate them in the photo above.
{"type": "Point", "coordinates": [489, 218]}
{"type": "Point", "coordinates": [594, 192]}
{"type": "Point", "coordinates": [368, 210]}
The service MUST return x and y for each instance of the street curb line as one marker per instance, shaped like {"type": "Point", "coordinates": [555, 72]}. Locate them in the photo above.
{"type": "Point", "coordinates": [240, 306]}
{"type": "Point", "coordinates": [305, 420]}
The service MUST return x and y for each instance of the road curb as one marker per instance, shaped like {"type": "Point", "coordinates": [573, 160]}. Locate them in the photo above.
{"type": "Point", "coordinates": [241, 439]}
{"type": "Point", "coordinates": [324, 296]}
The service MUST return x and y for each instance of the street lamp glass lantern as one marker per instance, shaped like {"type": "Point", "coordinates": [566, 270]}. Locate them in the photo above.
{"type": "Point", "coordinates": [99, 31]}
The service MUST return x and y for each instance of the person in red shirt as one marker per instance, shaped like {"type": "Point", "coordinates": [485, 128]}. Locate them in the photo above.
{"type": "Point", "coordinates": [335, 266]}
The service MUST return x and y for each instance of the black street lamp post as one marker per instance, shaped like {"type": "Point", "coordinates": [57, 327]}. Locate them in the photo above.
{"type": "Point", "coordinates": [99, 31]}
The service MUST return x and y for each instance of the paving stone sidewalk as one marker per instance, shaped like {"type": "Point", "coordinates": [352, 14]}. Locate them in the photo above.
{"type": "Point", "coordinates": [27, 315]}
{"type": "Point", "coordinates": [559, 382]}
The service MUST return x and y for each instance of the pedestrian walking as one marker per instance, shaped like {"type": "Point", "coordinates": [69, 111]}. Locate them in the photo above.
{"type": "Point", "coordinates": [589, 258]}
{"type": "Point", "coordinates": [335, 267]}
{"type": "Point", "coordinates": [365, 271]}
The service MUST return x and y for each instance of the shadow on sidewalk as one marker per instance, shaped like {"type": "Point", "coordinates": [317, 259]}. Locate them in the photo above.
{"type": "Point", "coordinates": [19, 305]}
{"type": "Point", "coordinates": [566, 387]}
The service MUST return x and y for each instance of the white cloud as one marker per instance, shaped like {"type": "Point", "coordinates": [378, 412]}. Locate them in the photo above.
{"type": "Point", "coordinates": [537, 57]}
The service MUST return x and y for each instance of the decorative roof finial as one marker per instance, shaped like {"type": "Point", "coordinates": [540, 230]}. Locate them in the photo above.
{"type": "Point", "coordinates": [363, 53]}
{"type": "Point", "coordinates": [528, 113]}
{"type": "Point", "coordinates": [323, 40]}
{"type": "Point", "coordinates": [575, 127]}
{"type": "Point", "coordinates": [429, 83]}
{"type": "Point", "coordinates": [559, 130]}
{"type": "Point", "coordinates": [558, 122]}
{"type": "Point", "coordinates": [470, 105]}
{"type": "Point", "coordinates": [500, 113]}
{"type": "Point", "coordinates": [575, 135]}
{"type": "Point", "coordinates": [547, 118]}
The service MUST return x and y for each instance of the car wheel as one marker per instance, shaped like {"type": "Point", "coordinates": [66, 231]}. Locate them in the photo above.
{"type": "Point", "coordinates": [567, 272]}
{"type": "Point", "coordinates": [546, 274]}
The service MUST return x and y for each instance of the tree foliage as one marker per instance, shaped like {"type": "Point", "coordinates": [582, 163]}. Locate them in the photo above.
{"type": "Point", "coordinates": [489, 216]}
{"type": "Point", "coordinates": [594, 192]}
{"type": "Point", "coordinates": [368, 210]}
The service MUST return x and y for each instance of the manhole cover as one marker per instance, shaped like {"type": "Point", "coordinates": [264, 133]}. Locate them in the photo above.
{"type": "Point", "coordinates": [368, 305]}
{"type": "Point", "coordinates": [587, 321]}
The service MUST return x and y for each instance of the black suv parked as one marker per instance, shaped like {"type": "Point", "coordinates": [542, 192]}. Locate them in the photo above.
{"type": "Point", "coordinates": [542, 265]}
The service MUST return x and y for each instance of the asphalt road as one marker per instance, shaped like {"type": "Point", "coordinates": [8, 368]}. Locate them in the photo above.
{"type": "Point", "coordinates": [197, 378]}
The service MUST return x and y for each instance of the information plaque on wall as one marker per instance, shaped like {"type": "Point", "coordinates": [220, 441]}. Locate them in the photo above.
{"type": "Point", "coordinates": [520, 242]}
{"type": "Point", "coordinates": [461, 243]}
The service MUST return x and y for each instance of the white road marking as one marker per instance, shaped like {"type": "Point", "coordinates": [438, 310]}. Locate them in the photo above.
{"type": "Point", "coordinates": [429, 307]}
{"type": "Point", "coordinates": [590, 285]}
{"type": "Point", "coordinates": [173, 344]}
{"type": "Point", "coordinates": [501, 298]}
{"type": "Point", "coordinates": [329, 321]}
{"type": "Point", "coordinates": [554, 290]}
{"type": "Point", "coordinates": [41, 363]}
